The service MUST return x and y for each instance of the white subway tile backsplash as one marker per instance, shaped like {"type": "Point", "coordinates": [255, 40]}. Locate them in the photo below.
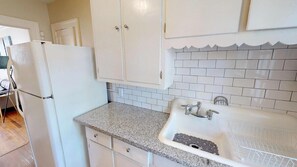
{"type": "Point", "coordinates": [217, 55]}
{"type": "Point", "coordinates": [232, 90]}
{"type": "Point", "coordinates": [213, 89]}
{"type": "Point", "coordinates": [223, 81]}
{"type": "Point", "coordinates": [258, 102]}
{"type": "Point", "coordinates": [282, 75]}
{"type": "Point", "coordinates": [181, 85]}
{"type": "Point", "coordinates": [178, 78]}
{"type": "Point", "coordinates": [183, 71]}
{"type": "Point", "coordinates": [204, 95]}
{"type": "Point", "coordinates": [267, 84]}
{"type": "Point", "coordinates": [285, 54]}
{"type": "Point", "coordinates": [190, 79]}
{"type": "Point", "coordinates": [247, 83]}
{"type": "Point", "coordinates": [260, 54]}
{"type": "Point", "coordinates": [271, 64]}
{"type": "Point", "coordinates": [207, 64]}
{"type": "Point", "coordinates": [198, 71]}
{"type": "Point", "coordinates": [197, 87]}
{"type": "Point", "coordinates": [261, 77]}
{"type": "Point", "coordinates": [278, 95]}
{"type": "Point", "coordinates": [190, 63]}
{"type": "Point", "coordinates": [178, 63]}
{"type": "Point", "coordinates": [225, 64]}
{"type": "Point", "coordinates": [199, 55]}
{"type": "Point", "coordinates": [234, 73]}
{"type": "Point", "coordinates": [215, 72]}
{"type": "Point", "coordinates": [294, 96]}
{"type": "Point", "coordinates": [175, 92]}
{"type": "Point", "coordinates": [286, 105]}
{"type": "Point", "coordinates": [183, 56]}
{"type": "Point", "coordinates": [290, 65]}
{"type": "Point", "coordinates": [237, 54]}
{"type": "Point", "coordinates": [151, 101]}
{"type": "Point", "coordinates": [253, 92]}
{"type": "Point", "coordinates": [146, 94]}
{"type": "Point", "coordinates": [241, 100]}
{"type": "Point", "coordinates": [205, 80]}
{"type": "Point", "coordinates": [257, 74]}
{"type": "Point", "coordinates": [288, 85]}
{"type": "Point", "coordinates": [247, 64]}
{"type": "Point", "coordinates": [157, 96]}
{"type": "Point", "coordinates": [188, 93]}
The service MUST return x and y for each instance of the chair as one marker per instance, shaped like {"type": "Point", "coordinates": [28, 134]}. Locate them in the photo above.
{"type": "Point", "coordinates": [11, 90]}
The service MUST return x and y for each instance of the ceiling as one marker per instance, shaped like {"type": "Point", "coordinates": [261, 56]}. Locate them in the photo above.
{"type": "Point", "coordinates": [47, 1]}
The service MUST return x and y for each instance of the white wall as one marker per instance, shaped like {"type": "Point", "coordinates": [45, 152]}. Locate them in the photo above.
{"type": "Point", "coordinates": [17, 35]}
{"type": "Point", "coordinates": [32, 10]}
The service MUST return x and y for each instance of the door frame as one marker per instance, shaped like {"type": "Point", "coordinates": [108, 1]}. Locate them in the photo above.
{"type": "Point", "coordinates": [67, 24]}
{"type": "Point", "coordinates": [32, 26]}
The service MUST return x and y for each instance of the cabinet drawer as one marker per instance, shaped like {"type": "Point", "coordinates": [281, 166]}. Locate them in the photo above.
{"type": "Point", "coordinates": [98, 137]}
{"type": "Point", "coordinates": [132, 152]}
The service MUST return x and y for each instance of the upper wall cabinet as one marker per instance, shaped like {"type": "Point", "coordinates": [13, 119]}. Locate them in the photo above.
{"type": "Point", "coordinates": [271, 14]}
{"type": "Point", "coordinates": [202, 17]}
{"type": "Point", "coordinates": [128, 43]}
{"type": "Point", "coordinates": [224, 23]}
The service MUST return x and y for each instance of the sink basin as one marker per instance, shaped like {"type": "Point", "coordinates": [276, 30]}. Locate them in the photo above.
{"type": "Point", "coordinates": [223, 131]}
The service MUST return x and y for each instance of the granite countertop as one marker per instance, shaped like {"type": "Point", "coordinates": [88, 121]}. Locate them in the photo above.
{"type": "Point", "coordinates": [139, 127]}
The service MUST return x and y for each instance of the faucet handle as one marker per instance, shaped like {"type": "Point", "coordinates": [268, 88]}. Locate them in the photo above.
{"type": "Point", "coordinates": [188, 109]}
{"type": "Point", "coordinates": [210, 112]}
{"type": "Point", "coordinates": [213, 111]}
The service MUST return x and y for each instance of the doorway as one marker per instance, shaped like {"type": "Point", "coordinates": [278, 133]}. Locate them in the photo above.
{"type": "Point", "coordinates": [14, 142]}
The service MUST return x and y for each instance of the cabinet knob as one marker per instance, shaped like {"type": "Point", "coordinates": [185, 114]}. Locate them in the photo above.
{"type": "Point", "coordinates": [125, 26]}
{"type": "Point", "coordinates": [128, 150]}
{"type": "Point", "coordinates": [117, 28]}
{"type": "Point", "coordinates": [95, 135]}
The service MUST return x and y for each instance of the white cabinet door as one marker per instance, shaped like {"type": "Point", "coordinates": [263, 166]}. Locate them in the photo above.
{"type": "Point", "coordinates": [163, 162]}
{"type": "Point", "coordinates": [142, 19]}
{"type": "Point", "coordinates": [99, 155]}
{"type": "Point", "coordinates": [270, 14]}
{"type": "Point", "coordinates": [122, 161]}
{"type": "Point", "coordinates": [106, 20]}
{"type": "Point", "coordinates": [202, 17]}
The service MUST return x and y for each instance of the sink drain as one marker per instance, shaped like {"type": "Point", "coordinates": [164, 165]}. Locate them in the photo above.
{"type": "Point", "coordinates": [195, 146]}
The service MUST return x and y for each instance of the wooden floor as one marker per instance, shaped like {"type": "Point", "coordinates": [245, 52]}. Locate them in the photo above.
{"type": "Point", "coordinates": [14, 148]}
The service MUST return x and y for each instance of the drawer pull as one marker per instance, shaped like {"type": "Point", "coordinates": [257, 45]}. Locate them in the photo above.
{"type": "Point", "coordinates": [95, 135]}
{"type": "Point", "coordinates": [128, 150]}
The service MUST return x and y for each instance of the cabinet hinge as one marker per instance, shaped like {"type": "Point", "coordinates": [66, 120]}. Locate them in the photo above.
{"type": "Point", "coordinates": [164, 27]}
{"type": "Point", "coordinates": [161, 74]}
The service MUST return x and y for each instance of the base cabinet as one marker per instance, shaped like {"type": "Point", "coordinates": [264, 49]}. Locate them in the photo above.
{"type": "Point", "coordinates": [122, 161]}
{"type": "Point", "coordinates": [104, 151]}
{"type": "Point", "coordinates": [164, 162]}
{"type": "Point", "coordinates": [99, 155]}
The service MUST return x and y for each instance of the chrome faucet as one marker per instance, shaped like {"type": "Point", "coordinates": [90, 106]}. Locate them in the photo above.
{"type": "Point", "coordinates": [189, 108]}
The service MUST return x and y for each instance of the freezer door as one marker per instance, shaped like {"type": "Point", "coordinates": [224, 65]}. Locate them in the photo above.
{"type": "Point", "coordinates": [43, 130]}
{"type": "Point", "coordinates": [30, 68]}
{"type": "Point", "coordinates": [76, 91]}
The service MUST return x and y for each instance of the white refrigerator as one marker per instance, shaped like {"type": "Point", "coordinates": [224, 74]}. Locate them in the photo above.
{"type": "Point", "coordinates": [55, 84]}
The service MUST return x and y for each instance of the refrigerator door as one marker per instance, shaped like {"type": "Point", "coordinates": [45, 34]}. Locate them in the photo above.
{"type": "Point", "coordinates": [30, 68]}
{"type": "Point", "coordinates": [76, 91]}
{"type": "Point", "coordinates": [43, 132]}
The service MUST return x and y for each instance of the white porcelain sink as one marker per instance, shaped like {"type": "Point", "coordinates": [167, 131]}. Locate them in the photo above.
{"type": "Point", "coordinates": [235, 131]}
